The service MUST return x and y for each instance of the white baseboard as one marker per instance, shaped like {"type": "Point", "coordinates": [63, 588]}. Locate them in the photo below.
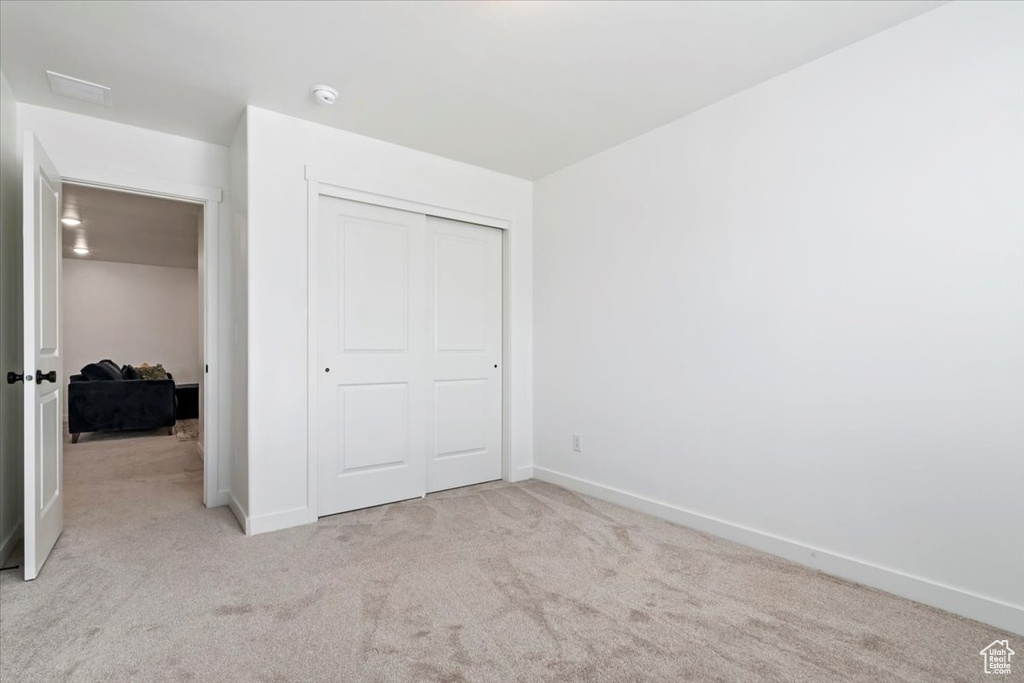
{"type": "Point", "coordinates": [522, 473]}
{"type": "Point", "coordinates": [999, 614]}
{"type": "Point", "coordinates": [275, 521]}
{"type": "Point", "coordinates": [7, 545]}
{"type": "Point", "coordinates": [239, 512]}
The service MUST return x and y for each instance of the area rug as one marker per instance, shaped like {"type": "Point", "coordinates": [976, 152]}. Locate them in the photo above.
{"type": "Point", "coordinates": [187, 430]}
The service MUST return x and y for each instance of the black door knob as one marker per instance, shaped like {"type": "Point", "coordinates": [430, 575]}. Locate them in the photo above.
{"type": "Point", "coordinates": [51, 376]}
{"type": "Point", "coordinates": [13, 377]}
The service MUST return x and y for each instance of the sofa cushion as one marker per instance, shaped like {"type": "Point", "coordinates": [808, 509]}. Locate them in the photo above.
{"type": "Point", "coordinates": [101, 371]}
{"type": "Point", "coordinates": [128, 372]}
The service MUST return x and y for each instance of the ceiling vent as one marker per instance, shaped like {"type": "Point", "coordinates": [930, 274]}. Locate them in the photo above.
{"type": "Point", "coordinates": [77, 89]}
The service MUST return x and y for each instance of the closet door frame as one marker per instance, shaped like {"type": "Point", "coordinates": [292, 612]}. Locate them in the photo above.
{"type": "Point", "coordinates": [319, 183]}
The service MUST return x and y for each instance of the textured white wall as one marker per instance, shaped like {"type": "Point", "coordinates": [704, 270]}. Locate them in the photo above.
{"type": "Point", "coordinates": [798, 311]}
{"type": "Point", "coordinates": [239, 475]}
{"type": "Point", "coordinates": [11, 342]}
{"type": "Point", "coordinates": [131, 314]}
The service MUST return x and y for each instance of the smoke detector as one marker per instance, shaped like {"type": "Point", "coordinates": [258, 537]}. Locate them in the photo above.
{"type": "Point", "coordinates": [77, 89]}
{"type": "Point", "coordinates": [325, 94]}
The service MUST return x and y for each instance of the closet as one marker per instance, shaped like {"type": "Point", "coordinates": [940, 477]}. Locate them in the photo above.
{"type": "Point", "coordinates": [409, 350]}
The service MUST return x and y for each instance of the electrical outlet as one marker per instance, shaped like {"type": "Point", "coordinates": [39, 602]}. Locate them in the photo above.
{"type": "Point", "coordinates": [577, 443]}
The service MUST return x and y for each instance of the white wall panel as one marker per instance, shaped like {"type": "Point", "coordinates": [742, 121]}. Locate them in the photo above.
{"type": "Point", "coordinates": [798, 311]}
{"type": "Point", "coordinates": [132, 314]}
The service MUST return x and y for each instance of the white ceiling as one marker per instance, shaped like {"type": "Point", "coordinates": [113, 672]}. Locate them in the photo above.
{"type": "Point", "coordinates": [520, 87]}
{"type": "Point", "coordinates": [132, 228]}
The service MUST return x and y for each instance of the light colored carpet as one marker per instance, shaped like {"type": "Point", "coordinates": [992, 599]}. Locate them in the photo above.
{"type": "Point", "coordinates": [524, 582]}
{"type": "Point", "coordinates": [187, 430]}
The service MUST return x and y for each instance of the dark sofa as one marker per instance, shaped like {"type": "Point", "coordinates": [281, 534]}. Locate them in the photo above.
{"type": "Point", "coordinates": [96, 405]}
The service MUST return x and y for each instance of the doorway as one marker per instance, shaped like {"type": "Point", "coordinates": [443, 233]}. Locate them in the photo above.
{"type": "Point", "coordinates": [131, 312]}
{"type": "Point", "coordinates": [409, 379]}
{"type": "Point", "coordinates": [44, 226]}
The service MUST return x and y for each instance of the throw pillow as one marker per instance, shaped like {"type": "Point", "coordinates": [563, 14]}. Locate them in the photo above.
{"type": "Point", "coordinates": [128, 372]}
{"type": "Point", "coordinates": [113, 368]}
{"type": "Point", "coordinates": [147, 371]}
{"type": "Point", "coordinates": [100, 372]}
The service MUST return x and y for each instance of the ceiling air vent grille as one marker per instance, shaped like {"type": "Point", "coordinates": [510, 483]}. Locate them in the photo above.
{"type": "Point", "coordinates": [77, 89]}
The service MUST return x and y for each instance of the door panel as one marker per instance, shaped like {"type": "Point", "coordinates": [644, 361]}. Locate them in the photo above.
{"type": "Point", "coordinates": [48, 258]}
{"type": "Point", "coordinates": [371, 348]}
{"type": "Point", "coordinates": [373, 426]}
{"type": "Point", "coordinates": [462, 293]}
{"type": "Point", "coordinates": [461, 407]}
{"type": "Point", "coordinates": [44, 457]}
{"type": "Point", "coordinates": [464, 324]}
{"type": "Point", "coordinates": [49, 436]}
{"type": "Point", "coordinates": [375, 288]}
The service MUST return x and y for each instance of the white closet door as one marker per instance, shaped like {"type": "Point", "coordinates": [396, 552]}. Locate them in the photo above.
{"type": "Point", "coordinates": [373, 392]}
{"type": "Point", "coordinates": [464, 358]}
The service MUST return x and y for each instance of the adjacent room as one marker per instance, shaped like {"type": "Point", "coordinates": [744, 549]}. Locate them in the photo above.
{"type": "Point", "coordinates": [440, 342]}
{"type": "Point", "coordinates": [131, 292]}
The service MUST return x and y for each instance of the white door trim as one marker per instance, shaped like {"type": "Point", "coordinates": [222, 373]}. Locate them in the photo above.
{"type": "Point", "coordinates": [319, 182]}
{"type": "Point", "coordinates": [131, 182]}
{"type": "Point", "coordinates": [336, 189]}
{"type": "Point", "coordinates": [214, 493]}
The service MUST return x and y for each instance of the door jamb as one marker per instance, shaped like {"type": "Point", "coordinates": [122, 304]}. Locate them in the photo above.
{"type": "Point", "coordinates": [210, 198]}
{"type": "Point", "coordinates": [319, 183]}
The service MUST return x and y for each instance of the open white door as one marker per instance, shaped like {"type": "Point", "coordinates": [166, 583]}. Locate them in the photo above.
{"type": "Point", "coordinates": [44, 448]}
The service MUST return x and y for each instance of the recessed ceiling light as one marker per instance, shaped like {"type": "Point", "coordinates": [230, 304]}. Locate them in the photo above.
{"type": "Point", "coordinates": [77, 89]}
{"type": "Point", "coordinates": [81, 251]}
{"type": "Point", "coordinates": [70, 221]}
